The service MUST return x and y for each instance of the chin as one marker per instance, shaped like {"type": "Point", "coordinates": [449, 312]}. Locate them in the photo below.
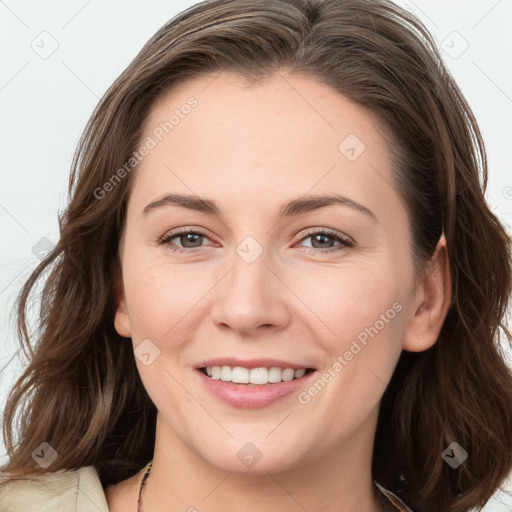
{"type": "Point", "coordinates": [258, 457]}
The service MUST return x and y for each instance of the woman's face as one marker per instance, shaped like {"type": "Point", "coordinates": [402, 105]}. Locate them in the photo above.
{"type": "Point", "coordinates": [276, 273]}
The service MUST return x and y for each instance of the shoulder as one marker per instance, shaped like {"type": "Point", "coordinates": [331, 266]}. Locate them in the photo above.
{"type": "Point", "coordinates": [66, 491]}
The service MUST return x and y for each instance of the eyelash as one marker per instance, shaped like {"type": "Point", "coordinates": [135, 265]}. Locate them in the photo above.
{"type": "Point", "coordinates": [345, 243]}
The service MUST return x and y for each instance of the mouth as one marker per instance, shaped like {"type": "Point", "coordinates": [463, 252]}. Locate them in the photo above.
{"type": "Point", "coordinates": [254, 376]}
{"type": "Point", "coordinates": [253, 388]}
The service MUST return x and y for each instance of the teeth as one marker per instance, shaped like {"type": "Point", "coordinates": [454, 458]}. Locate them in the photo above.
{"type": "Point", "coordinates": [240, 375]}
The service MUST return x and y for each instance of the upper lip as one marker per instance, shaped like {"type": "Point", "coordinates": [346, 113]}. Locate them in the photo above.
{"type": "Point", "coordinates": [263, 362]}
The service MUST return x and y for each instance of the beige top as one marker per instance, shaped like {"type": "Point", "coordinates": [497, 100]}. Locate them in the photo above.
{"type": "Point", "coordinates": [76, 491]}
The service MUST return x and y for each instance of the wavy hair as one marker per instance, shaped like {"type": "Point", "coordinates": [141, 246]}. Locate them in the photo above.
{"type": "Point", "coordinates": [81, 392]}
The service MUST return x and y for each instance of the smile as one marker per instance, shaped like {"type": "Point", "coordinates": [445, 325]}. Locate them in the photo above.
{"type": "Point", "coordinates": [254, 376]}
{"type": "Point", "coordinates": [257, 389]}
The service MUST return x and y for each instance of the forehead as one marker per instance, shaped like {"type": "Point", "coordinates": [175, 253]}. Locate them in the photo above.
{"type": "Point", "coordinates": [301, 104]}
{"type": "Point", "coordinates": [286, 135]}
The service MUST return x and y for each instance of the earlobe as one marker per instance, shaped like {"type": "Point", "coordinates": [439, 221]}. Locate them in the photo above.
{"type": "Point", "coordinates": [122, 321]}
{"type": "Point", "coordinates": [431, 303]}
{"type": "Point", "coordinates": [121, 318]}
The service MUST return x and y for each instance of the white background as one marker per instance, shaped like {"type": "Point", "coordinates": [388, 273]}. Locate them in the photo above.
{"type": "Point", "coordinates": [45, 104]}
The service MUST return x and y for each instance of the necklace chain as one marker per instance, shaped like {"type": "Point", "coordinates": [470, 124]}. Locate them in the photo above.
{"type": "Point", "coordinates": [142, 483]}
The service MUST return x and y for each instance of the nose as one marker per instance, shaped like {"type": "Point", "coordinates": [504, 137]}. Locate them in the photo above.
{"type": "Point", "coordinates": [251, 298]}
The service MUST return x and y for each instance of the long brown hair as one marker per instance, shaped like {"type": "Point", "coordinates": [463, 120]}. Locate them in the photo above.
{"type": "Point", "coordinates": [81, 391]}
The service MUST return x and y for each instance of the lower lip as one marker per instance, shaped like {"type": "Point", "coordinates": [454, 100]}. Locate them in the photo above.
{"type": "Point", "coordinates": [244, 396]}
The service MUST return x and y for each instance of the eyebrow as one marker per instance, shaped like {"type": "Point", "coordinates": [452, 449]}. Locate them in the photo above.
{"type": "Point", "coordinates": [294, 207]}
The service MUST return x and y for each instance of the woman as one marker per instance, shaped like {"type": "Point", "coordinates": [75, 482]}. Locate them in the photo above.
{"type": "Point", "coordinates": [278, 285]}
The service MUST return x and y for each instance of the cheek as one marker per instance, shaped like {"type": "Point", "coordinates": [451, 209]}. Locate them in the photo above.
{"type": "Point", "coordinates": [164, 299]}
{"type": "Point", "coordinates": [349, 299]}
{"type": "Point", "coordinates": [338, 304]}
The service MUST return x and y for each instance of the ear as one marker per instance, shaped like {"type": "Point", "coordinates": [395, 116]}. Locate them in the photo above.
{"type": "Point", "coordinates": [431, 302]}
{"type": "Point", "coordinates": [121, 318]}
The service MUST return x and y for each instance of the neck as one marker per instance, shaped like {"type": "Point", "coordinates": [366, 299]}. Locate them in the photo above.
{"type": "Point", "coordinates": [336, 480]}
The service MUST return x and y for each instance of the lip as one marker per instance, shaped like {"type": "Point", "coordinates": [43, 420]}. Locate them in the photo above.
{"type": "Point", "coordinates": [253, 363]}
{"type": "Point", "coordinates": [244, 396]}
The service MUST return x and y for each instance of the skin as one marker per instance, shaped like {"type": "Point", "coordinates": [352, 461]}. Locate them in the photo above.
{"type": "Point", "coordinates": [251, 149]}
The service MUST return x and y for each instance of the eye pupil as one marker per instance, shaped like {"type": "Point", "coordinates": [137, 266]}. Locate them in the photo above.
{"type": "Point", "coordinates": [320, 236]}
{"type": "Point", "coordinates": [186, 237]}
